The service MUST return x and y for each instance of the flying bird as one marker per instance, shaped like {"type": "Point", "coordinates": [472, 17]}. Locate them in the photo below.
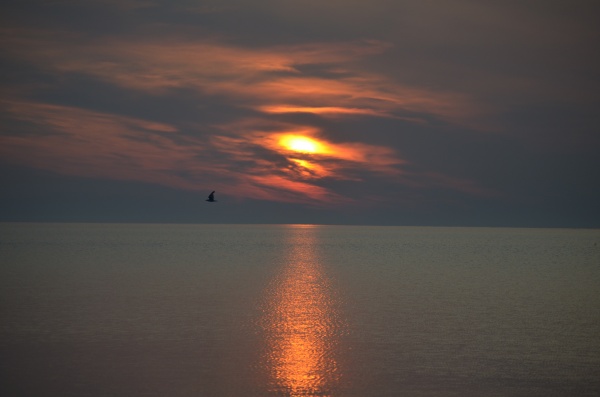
{"type": "Point", "coordinates": [211, 197]}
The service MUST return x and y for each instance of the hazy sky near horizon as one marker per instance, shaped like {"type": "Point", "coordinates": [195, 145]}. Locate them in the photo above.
{"type": "Point", "coordinates": [369, 112]}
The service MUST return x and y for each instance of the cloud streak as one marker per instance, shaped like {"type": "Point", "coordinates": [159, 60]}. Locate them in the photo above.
{"type": "Point", "coordinates": [271, 81]}
{"type": "Point", "coordinates": [409, 104]}
{"type": "Point", "coordinates": [89, 143]}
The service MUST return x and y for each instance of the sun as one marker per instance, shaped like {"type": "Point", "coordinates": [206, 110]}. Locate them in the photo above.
{"type": "Point", "coordinates": [301, 144]}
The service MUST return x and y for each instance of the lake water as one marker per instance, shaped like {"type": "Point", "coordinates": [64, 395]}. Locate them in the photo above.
{"type": "Point", "coordinates": [293, 310]}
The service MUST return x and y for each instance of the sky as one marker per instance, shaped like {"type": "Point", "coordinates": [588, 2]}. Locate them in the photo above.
{"type": "Point", "coordinates": [378, 112]}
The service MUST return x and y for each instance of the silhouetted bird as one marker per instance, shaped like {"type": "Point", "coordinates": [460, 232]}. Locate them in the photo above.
{"type": "Point", "coordinates": [211, 197]}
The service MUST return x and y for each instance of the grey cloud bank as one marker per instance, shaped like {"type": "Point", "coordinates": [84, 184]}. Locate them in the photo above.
{"type": "Point", "coordinates": [426, 113]}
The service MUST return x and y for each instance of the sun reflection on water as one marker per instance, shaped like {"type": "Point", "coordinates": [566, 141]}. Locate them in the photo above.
{"type": "Point", "coordinates": [301, 322]}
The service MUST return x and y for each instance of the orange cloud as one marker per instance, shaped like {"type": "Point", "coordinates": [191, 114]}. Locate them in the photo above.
{"type": "Point", "coordinates": [83, 142]}
{"type": "Point", "coordinates": [372, 95]}
{"type": "Point", "coordinates": [369, 156]}
{"type": "Point", "coordinates": [297, 191]}
{"type": "Point", "coordinates": [87, 143]}
{"type": "Point", "coordinates": [325, 159]}
{"type": "Point", "coordinates": [269, 78]}
{"type": "Point", "coordinates": [322, 110]}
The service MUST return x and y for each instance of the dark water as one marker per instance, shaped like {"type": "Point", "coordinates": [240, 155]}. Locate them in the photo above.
{"type": "Point", "coordinates": [196, 310]}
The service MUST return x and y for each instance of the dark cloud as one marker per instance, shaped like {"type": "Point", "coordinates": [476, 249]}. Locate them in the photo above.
{"type": "Point", "coordinates": [419, 112]}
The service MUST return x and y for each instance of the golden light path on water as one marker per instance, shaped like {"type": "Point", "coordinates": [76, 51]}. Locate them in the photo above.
{"type": "Point", "coordinates": [301, 322]}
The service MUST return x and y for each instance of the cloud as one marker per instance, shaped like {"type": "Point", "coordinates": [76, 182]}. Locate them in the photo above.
{"type": "Point", "coordinates": [242, 160]}
{"type": "Point", "coordinates": [88, 143]}
{"type": "Point", "coordinates": [268, 79]}
{"type": "Point", "coordinates": [244, 157]}
{"type": "Point", "coordinates": [320, 110]}
{"type": "Point", "coordinates": [406, 100]}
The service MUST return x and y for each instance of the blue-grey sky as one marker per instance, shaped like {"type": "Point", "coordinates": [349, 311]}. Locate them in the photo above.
{"type": "Point", "coordinates": [363, 112]}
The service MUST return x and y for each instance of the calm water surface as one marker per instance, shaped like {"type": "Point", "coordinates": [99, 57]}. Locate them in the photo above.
{"type": "Point", "coordinates": [292, 310]}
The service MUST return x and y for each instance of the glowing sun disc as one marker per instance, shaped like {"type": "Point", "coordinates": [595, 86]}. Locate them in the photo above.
{"type": "Point", "coordinates": [301, 144]}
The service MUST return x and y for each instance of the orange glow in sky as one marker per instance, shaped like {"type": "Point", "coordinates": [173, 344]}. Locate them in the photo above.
{"type": "Point", "coordinates": [301, 144]}
{"type": "Point", "coordinates": [310, 170]}
{"type": "Point", "coordinates": [297, 149]}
